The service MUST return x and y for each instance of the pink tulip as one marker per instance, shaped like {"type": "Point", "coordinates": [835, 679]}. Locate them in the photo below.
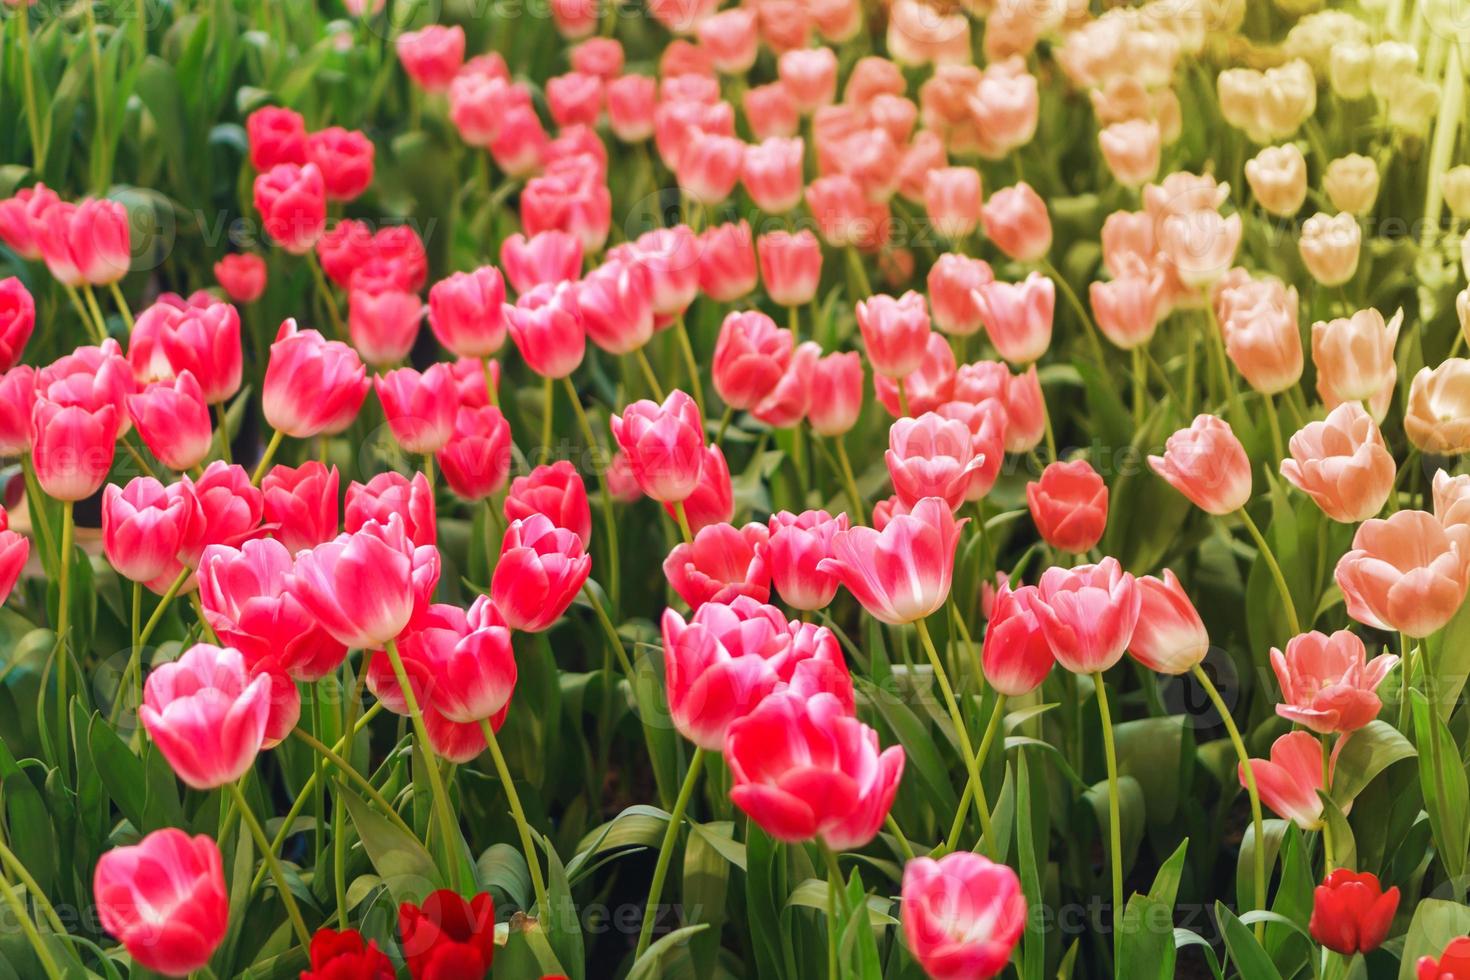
{"type": "Point", "coordinates": [460, 665]}
{"type": "Point", "coordinates": [962, 915]}
{"type": "Point", "coordinates": [548, 258]}
{"type": "Point", "coordinates": [72, 448]}
{"type": "Point", "coordinates": [419, 408]}
{"type": "Point", "coordinates": [931, 456]}
{"type": "Point", "coordinates": [165, 899]}
{"type": "Point", "coordinates": [1342, 464]}
{"type": "Point", "coordinates": [313, 386]}
{"type": "Point", "coordinates": [1016, 221]}
{"type": "Point", "coordinates": [17, 398]}
{"type": "Point", "coordinates": [836, 394]}
{"type": "Point", "coordinates": [664, 444]}
{"type": "Point", "coordinates": [1170, 637]}
{"type": "Point", "coordinates": [630, 107]}
{"type": "Point", "coordinates": [903, 572]}
{"type": "Point", "coordinates": [383, 325]}
{"type": "Point", "coordinates": [952, 201]}
{"type": "Point", "coordinates": [205, 341]}
{"type": "Point", "coordinates": [275, 135]}
{"type": "Point", "coordinates": [727, 262]}
{"type": "Point", "coordinates": [541, 569]}
{"type": "Point", "coordinates": [1129, 309]}
{"type": "Point", "coordinates": [90, 378]}
{"type": "Point", "coordinates": [926, 388]}
{"type": "Point", "coordinates": [546, 326]}
{"type": "Point", "coordinates": [1018, 316]}
{"type": "Point", "coordinates": [953, 281]}
{"type": "Point", "coordinates": [772, 173]}
{"type": "Point", "coordinates": [389, 494]}
{"type": "Point", "coordinates": [790, 265]}
{"type": "Point", "coordinates": [1290, 781]}
{"type": "Point", "coordinates": [17, 321]}
{"type": "Point", "coordinates": [895, 332]}
{"type": "Point", "coordinates": [713, 499]}
{"type": "Point", "coordinates": [1328, 684]}
{"type": "Point", "coordinates": [798, 544]}
{"type": "Point", "coordinates": [143, 529]}
{"type": "Point", "coordinates": [476, 460]}
{"type": "Point", "coordinates": [555, 491]}
{"type": "Point", "coordinates": [205, 715]}
{"type": "Point", "coordinates": [810, 75]}
{"type": "Point", "coordinates": [432, 55]}
{"type": "Point", "coordinates": [722, 562]}
{"type": "Point", "coordinates": [787, 403]}
{"type": "Point", "coordinates": [345, 158]}
{"type": "Point", "coordinates": [173, 421]}
{"type": "Point", "coordinates": [750, 356]}
{"type": "Point", "coordinates": [242, 276]}
{"type": "Point", "coordinates": [301, 504]}
{"type": "Point", "coordinates": [465, 312]}
{"type": "Point", "coordinates": [292, 201]}
{"type": "Point", "coordinates": [1088, 614]}
{"type": "Point", "coordinates": [616, 303]}
{"type": "Point", "coordinates": [1408, 573]}
{"type": "Point", "coordinates": [1207, 464]}
{"type": "Point", "coordinates": [1451, 498]}
{"type": "Point", "coordinates": [1016, 656]}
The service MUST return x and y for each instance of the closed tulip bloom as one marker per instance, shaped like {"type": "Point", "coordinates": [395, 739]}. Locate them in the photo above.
{"type": "Point", "coordinates": [465, 312]}
{"type": "Point", "coordinates": [574, 99]}
{"type": "Point", "coordinates": [205, 715]}
{"type": "Point", "coordinates": [229, 509]}
{"type": "Point", "coordinates": [790, 266]}
{"type": "Point", "coordinates": [15, 548]}
{"type": "Point", "coordinates": [1170, 637]}
{"type": "Point", "coordinates": [89, 378]}
{"type": "Point", "coordinates": [20, 225]}
{"type": "Point", "coordinates": [17, 397]}
{"type": "Point", "coordinates": [962, 915]}
{"type": "Point", "coordinates": [541, 569]}
{"type": "Point", "coordinates": [203, 340]}
{"type": "Point", "coordinates": [1291, 779]}
{"type": "Point", "coordinates": [903, 572]}
{"type": "Point", "coordinates": [549, 257]}
{"type": "Point", "coordinates": [953, 280]}
{"type": "Point", "coordinates": [242, 276]}
{"type": "Point", "coordinates": [173, 421]}
{"type": "Point", "coordinates": [1018, 316]}
{"type": "Point", "coordinates": [1437, 415]}
{"type": "Point", "coordinates": [313, 386]}
{"type": "Point", "coordinates": [804, 768]}
{"type": "Point", "coordinates": [1017, 222]}
{"type": "Point", "coordinates": [363, 587]}
{"type": "Point", "coordinates": [730, 38]}
{"type": "Point", "coordinates": [1207, 464]}
{"type": "Point", "coordinates": [1342, 464]}
{"type": "Point", "coordinates": [431, 56]}
{"type": "Point", "coordinates": [247, 597]}
{"type": "Point", "coordinates": [1453, 962]}
{"type": "Point", "coordinates": [1354, 358]}
{"type": "Point", "coordinates": [276, 135]}
{"type": "Point", "coordinates": [1088, 614]}
{"type": "Point", "coordinates": [301, 504]}
{"type": "Point", "coordinates": [837, 394]}
{"type": "Point", "coordinates": [88, 243]}
{"type": "Point", "coordinates": [1351, 183]}
{"type": "Point", "coordinates": [664, 445]}
{"type": "Point", "coordinates": [383, 326]}
{"type": "Point", "coordinates": [555, 491]}
{"type": "Point", "coordinates": [709, 167]}
{"type": "Point", "coordinates": [630, 107]}
{"type": "Point", "coordinates": [727, 262]}
{"type": "Point", "coordinates": [1128, 309]}
{"type": "Point", "coordinates": [671, 256]}
{"type": "Point", "coordinates": [713, 500]}
{"type": "Point", "coordinates": [771, 111]}
{"type": "Point", "coordinates": [460, 665]}
{"type": "Point", "coordinates": [419, 408]}
{"type": "Point", "coordinates": [292, 201]}
{"type": "Point", "coordinates": [1131, 149]}
{"type": "Point", "coordinates": [393, 494]}
{"type": "Point", "coordinates": [1069, 505]}
{"type": "Point", "coordinates": [143, 528]}
{"type": "Point", "coordinates": [798, 543]}
{"type": "Point", "coordinates": [1406, 573]}
{"type": "Point", "coordinates": [750, 356]}
{"type": "Point", "coordinates": [165, 899]}
{"type": "Point", "coordinates": [345, 955]}
{"type": "Point", "coordinates": [1016, 656]}
{"type": "Point", "coordinates": [476, 460]}
{"type": "Point", "coordinates": [546, 325]}
{"type": "Point", "coordinates": [1351, 913]}
{"type": "Point", "coordinates": [17, 321]}
{"type": "Point", "coordinates": [447, 936]}
{"type": "Point", "coordinates": [345, 158]}
{"type": "Point", "coordinates": [1452, 498]}
{"type": "Point", "coordinates": [925, 389]}
{"type": "Point", "coordinates": [616, 303]}
{"type": "Point", "coordinates": [1329, 247]}
{"type": "Point", "coordinates": [1278, 179]}
{"type": "Point", "coordinates": [72, 448]}
{"type": "Point", "coordinates": [930, 456]}
{"type": "Point", "coordinates": [1259, 321]}
{"type": "Point", "coordinates": [787, 403]}
{"type": "Point", "coordinates": [1200, 245]}
{"type": "Point", "coordinates": [895, 332]}
{"type": "Point", "coordinates": [810, 75]}
{"type": "Point", "coordinates": [771, 173]}
{"type": "Point", "coordinates": [722, 562]}
{"type": "Point", "coordinates": [1328, 684]}
{"type": "Point", "coordinates": [952, 201]}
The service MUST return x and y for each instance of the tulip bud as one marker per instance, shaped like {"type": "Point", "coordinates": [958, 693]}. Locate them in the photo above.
{"type": "Point", "coordinates": [292, 201]}
{"type": "Point", "coordinates": [383, 326]}
{"type": "Point", "coordinates": [431, 56]}
{"type": "Point", "coordinates": [173, 421]}
{"type": "Point", "coordinates": [1351, 913]}
{"type": "Point", "coordinates": [895, 332]}
{"type": "Point", "coordinates": [1437, 415]}
{"type": "Point", "coordinates": [275, 136]}
{"type": "Point", "coordinates": [465, 312]}
{"type": "Point", "coordinates": [1278, 178]}
{"type": "Point", "coordinates": [242, 276]}
{"type": "Point", "coordinates": [205, 715]}
{"type": "Point", "coordinates": [630, 104]}
{"type": "Point", "coordinates": [1456, 188]}
{"type": "Point", "coordinates": [345, 159]}
{"type": "Point", "coordinates": [790, 266]}
{"type": "Point", "coordinates": [1207, 463]}
{"type": "Point", "coordinates": [1018, 316]}
{"type": "Point", "coordinates": [837, 394]}
{"type": "Point", "coordinates": [727, 262]}
{"type": "Point", "coordinates": [555, 491]}
{"type": "Point", "coordinates": [1351, 183]}
{"type": "Point", "coordinates": [541, 569]}
{"type": "Point", "coordinates": [1016, 221]}
{"type": "Point", "coordinates": [476, 460]}
{"type": "Point", "coordinates": [1131, 149]}
{"type": "Point", "coordinates": [962, 914]}
{"type": "Point", "coordinates": [313, 386]}
{"type": "Point", "coordinates": [772, 173]}
{"type": "Point", "coordinates": [419, 408]}
{"type": "Point", "coordinates": [1069, 505]}
{"type": "Point", "coordinates": [1329, 247]}
{"type": "Point", "coordinates": [952, 201]}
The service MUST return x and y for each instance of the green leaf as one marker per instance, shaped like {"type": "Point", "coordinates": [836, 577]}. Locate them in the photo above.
{"type": "Point", "coordinates": [1344, 845]}
{"type": "Point", "coordinates": [647, 966]}
{"type": "Point", "coordinates": [1274, 831]}
{"type": "Point", "coordinates": [502, 868]}
{"type": "Point", "coordinates": [1446, 795]}
{"type": "Point", "coordinates": [401, 861]}
{"type": "Point", "coordinates": [120, 769]}
{"type": "Point", "coordinates": [1250, 959]}
{"type": "Point", "coordinates": [562, 924]}
{"type": "Point", "coordinates": [1365, 753]}
{"type": "Point", "coordinates": [32, 834]}
{"type": "Point", "coordinates": [706, 885]}
{"type": "Point", "coordinates": [1147, 949]}
{"type": "Point", "coordinates": [1033, 959]}
{"type": "Point", "coordinates": [765, 896]}
{"type": "Point", "coordinates": [812, 894]}
{"type": "Point", "coordinates": [1434, 924]}
{"type": "Point", "coordinates": [1183, 938]}
{"type": "Point", "coordinates": [720, 837]}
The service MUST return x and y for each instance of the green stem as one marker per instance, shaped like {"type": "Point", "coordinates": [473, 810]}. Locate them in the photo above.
{"type": "Point", "coordinates": [683, 519]}
{"type": "Point", "coordinates": [99, 86]}
{"type": "Point", "coordinates": [1073, 301]}
{"type": "Point", "coordinates": [548, 400]}
{"type": "Point", "coordinates": [96, 310]}
{"type": "Point", "coordinates": [1140, 386]}
{"type": "Point", "coordinates": [691, 364]}
{"type": "Point", "coordinates": [903, 842]}
{"type": "Point", "coordinates": [33, 887]}
{"type": "Point", "coordinates": [615, 642]}
{"type": "Point", "coordinates": [523, 826]}
{"type": "Point", "coordinates": [859, 509]}
{"type": "Point", "coordinates": [1278, 445]}
{"type": "Point", "coordinates": [490, 391]}
{"type": "Point", "coordinates": [303, 935]}
{"type": "Point", "coordinates": [81, 311]}
{"type": "Point", "coordinates": [1115, 826]}
{"type": "Point", "coordinates": [122, 305]}
{"type": "Point", "coordinates": [1265, 549]}
{"type": "Point", "coordinates": [134, 666]}
{"type": "Point", "coordinates": [63, 628]}
{"type": "Point", "coordinates": [958, 720]}
{"type": "Point", "coordinates": [265, 460]}
{"type": "Point", "coordinates": [606, 502]}
{"type": "Point", "coordinates": [34, 494]}
{"type": "Point", "coordinates": [666, 851]}
{"type": "Point", "coordinates": [1222, 366]}
{"type": "Point", "coordinates": [28, 927]}
{"type": "Point", "coordinates": [991, 729]}
{"type": "Point", "coordinates": [325, 291]}
{"type": "Point", "coordinates": [1257, 823]}
{"type": "Point", "coordinates": [725, 418]}
{"type": "Point", "coordinates": [641, 356]}
{"type": "Point", "coordinates": [837, 910]}
{"type": "Point", "coordinates": [436, 785]}
{"type": "Point", "coordinates": [28, 83]}
{"type": "Point", "coordinates": [347, 769]}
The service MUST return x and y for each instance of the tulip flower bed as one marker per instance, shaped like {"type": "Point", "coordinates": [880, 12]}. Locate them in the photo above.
{"type": "Point", "coordinates": [802, 489]}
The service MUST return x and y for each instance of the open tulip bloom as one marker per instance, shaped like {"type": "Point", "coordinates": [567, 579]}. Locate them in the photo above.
{"type": "Point", "coordinates": [797, 490]}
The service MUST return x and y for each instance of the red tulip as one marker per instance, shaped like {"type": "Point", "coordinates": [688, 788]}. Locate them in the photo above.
{"type": "Point", "coordinates": [798, 544]}
{"type": "Point", "coordinates": [345, 158]}
{"type": "Point", "coordinates": [205, 715]}
{"type": "Point", "coordinates": [87, 243]}
{"type": "Point", "coordinates": [962, 915]}
{"type": "Point", "coordinates": [1328, 684]}
{"type": "Point", "coordinates": [392, 493]}
{"type": "Point", "coordinates": [1088, 614]}
{"type": "Point", "coordinates": [903, 572]}
{"type": "Point", "coordinates": [555, 491]}
{"type": "Point", "coordinates": [713, 500]}
{"type": "Point", "coordinates": [476, 460]}
{"type": "Point", "coordinates": [895, 332]}
{"type": "Point", "coordinates": [804, 768]}
{"type": "Point", "coordinates": [1170, 637]}
{"type": "Point", "coordinates": [1351, 912]}
{"type": "Point", "coordinates": [173, 421]}
{"type": "Point", "coordinates": [165, 899]}
{"type": "Point", "coordinates": [542, 568]}
{"type": "Point", "coordinates": [203, 340]}
{"type": "Point", "coordinates": [17, 398]}
{"type": "Point", "coordinates": [20, 224]}
{"type": "Point", "coordinates": [313, 386]}
{"type": "Point", "coordinates": [1016, 655]}
{"type": "Point", "coordinates": [1207, 463]}
{"type": "Point", "coordinates": [229, 509]}
{"type": "Point", "coordinates": [546, 326]}
{"type": "Point", "coordinates": [144, 527]}
{"type": "Point", "coordinates": [345, 956]}
{"type": "Point", "coordinates": [1069, 505]}
{"type": "Point", "coordinates": [301, 504]}
{"type": "Point", "coordinates": [292, 201]}
{"type": "Point", "coordinates": [460, 664]}
{"type": "Point", "coordinates": [432, 56]}
{"type": "Point", "coordinates": [1290, 781]}
{"type": "Point", "coordinates": [549, 258]}
{"type": "Point", "coordinates": [1453, 962]}
{"type": "Point", "coordinates": [446, 937]}
{"type": "Point", "coordinates": [275, 135]}
{"type": "Point", "coordinates": [72, 448]}
{"type": "Point", "coordinates": [721, 563]}
{"type": "Point", "coordinates": [363, 587]}
{"type": "Point", "coordinates": [730, 656]}
{"type": "Point", "coordinates": [750, 356]}
{"type": "Point", "coordinates": [616, 302]}
{"type": "Point", "coordinates": [930, 456]}
{"type": "Point", "coordinates": [242, 276]}
{"type": "Point", "coordinates": [664, 444]}
{"type": "Point", "coordinates": [465, 312]}
{"type": "Point", "coordinates": [17, 320]}
{"type": "Point", "coordinates": [419, 408]}
{"type": "Point", "coordinates": [247, 597]}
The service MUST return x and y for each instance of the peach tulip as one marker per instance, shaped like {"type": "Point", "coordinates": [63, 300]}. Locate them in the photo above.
{"type": "Point", "coordinates": [1328, 683]}
{"type": "Point", "coordinates": [1407, 573]}
{"type": "Point", "coordinates": [1342, 464]}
